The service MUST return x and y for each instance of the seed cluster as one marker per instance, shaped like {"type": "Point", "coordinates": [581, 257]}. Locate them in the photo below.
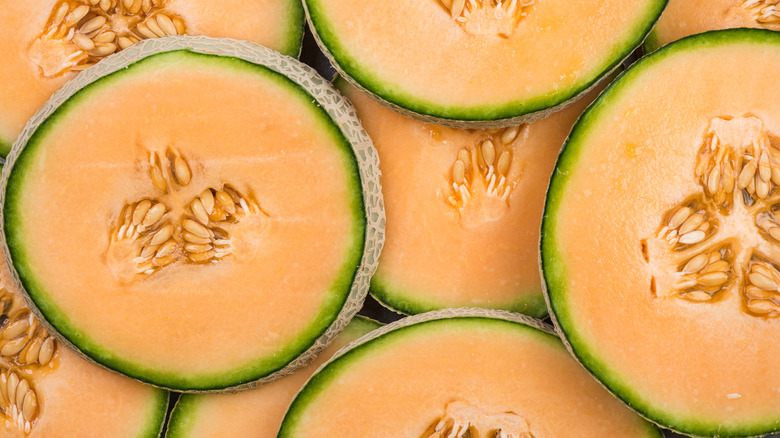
{"type": "Point", "coordinates": [766, 11]}
{"type": "Point", "coordinates": [687, 224]}
{"type": "Point", "coordinates": [462, 420]}
{"type": "Point", "coordinates": [484, 167]}
{"type": "Point", "coordinates": [705, 275]}
{"type": "Point", "coordinates": [199, 235]}
{"type": "Point", "coordinates": [18, 399]}
{"type": "Point", "coordinates": [485, 17]}
{"type": "Point", "coordinates": [82, 32]}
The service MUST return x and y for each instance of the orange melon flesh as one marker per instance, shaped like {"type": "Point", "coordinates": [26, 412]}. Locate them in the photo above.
{"type": "Point", "coordinates": [687, 17]}
{"type": "Point", "coordinates": [255, 413]}
{"type": "Point", "coordinates": [413, 55]}
{"type": "Point", "coordinates": [399, 384]}
{"type": "Point", "coordinates": [277, 24]}
{"type": "Point", "coordinates": [702, 368]}
{"type": "Point", "coordinates": [190, 323]}
{"type": "Point", "coordinates": [484, 254]}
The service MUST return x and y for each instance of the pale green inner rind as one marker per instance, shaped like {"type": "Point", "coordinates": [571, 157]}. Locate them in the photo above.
{"type": "Point", "coordinates": [242, 373]}
{"type": "Point", "coordinates": [412, 302]}
{"type": "Point", "coordinates": [339, 366]}
{"type": "Point", "coordinates": [554, 266]}
{"type": "Point", "coordinates": [374, 83]}
{"type": "Point", "coordinates": [158, 408]}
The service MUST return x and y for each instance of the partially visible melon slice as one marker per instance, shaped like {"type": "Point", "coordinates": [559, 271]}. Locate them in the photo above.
{"type": "Point", "coordinates": [48, 391]}
{"type": "Point", "coordinates": [46, 42]}
{"type": "Point", "coordinates": [479, 62]}
{"type": "Point", "coordinates": [464, 209]}
{"type": "Point", "coordinates": [451, 372]}
{"type": "Point", "coordinates": [256, 413]}
{"type": "Point", "coordinates": [687, 17]}
{"type": "Point", "coordinates": [224, 224]}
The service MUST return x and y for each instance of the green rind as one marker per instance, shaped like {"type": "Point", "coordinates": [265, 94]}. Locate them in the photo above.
{"type": "Point", "coordinates": [412, 303]}
{"type": "Point", "coordinates": [294, 38]}
{"type": "Point", "coordinates": [400, 330]}
{"type": "Point", "coordinates": [391, 95]}
{"type": "Point", "coordinates": [159, 410]}
{"type": "Point", "coordinates": [243, 373]}
{"type": "Point", "coordinates": [554, 267]}
{"type": "Point", "coordinates": [188, 407]}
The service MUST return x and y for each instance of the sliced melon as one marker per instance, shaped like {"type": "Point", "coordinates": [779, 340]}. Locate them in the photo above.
{"type": "Point", "coordinates": [219, 222]}
{"type": "Point", "coordinates": [254, 413]}
{"type": "Point", "coordinates": [687, 17]}
{"type": "Point", "coordinates": [462, 231]}
{"type": "Point", "coordinates": [479, 61]}
{"type": "Point", "coordinates": [39, 52]}
{"type": "Point", "coordinates": [444, 373]}
{"type": "Point", "coordinates": [660, 244]}
{"type": "Point", "coordinates": [48, 391]}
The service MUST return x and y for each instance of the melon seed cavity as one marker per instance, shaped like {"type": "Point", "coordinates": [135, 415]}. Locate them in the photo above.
{"type": "Point", "coordinates": [462, 420]}
{"type": "Point", "coordinates": [723, 239]}
{"type": "Point", "coordinates": [487, 17]}
{"type": "Point", "coordinates": [765, 12]}
{"type": "Point", "coordinates": [79, 33]}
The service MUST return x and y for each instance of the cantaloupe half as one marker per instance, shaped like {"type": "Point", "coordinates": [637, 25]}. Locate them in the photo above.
{"type": "Point", "coordinates": [40, 53]}
{"type": "Point", "coordinates": [200, 217]}
{"type": "Point", "coordinates": [256, 413]}
{"type": "Point", "coordinates": [479, 62]}
{"type": "Point", "coordinates": [48, 391]}
{"type": "Point", "coordinates": [687, 17]}
{"type": "Point", "coordinates": [660, 244]}
{"type": "Point", "coordinates": [442, 373]}
{"type": "Point", "coordinates": [464, 208]}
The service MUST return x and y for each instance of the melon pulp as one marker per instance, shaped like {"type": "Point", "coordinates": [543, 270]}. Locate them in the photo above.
{"type": "Point", "coordinates": [218, 244]}
{"type": "Point", "coordinates": [659, 242]}
{"type": "Point", "coordinates": [687, 17]}
{"type": "Point", "coordinates": [35, 64]}
{"type": "Point", "coordinates": [58, 394]}
{"type": "Point", "coordinates": [487, 370]}
{"type": "Point", "coordinates": [484, 62]}
{"type": "Point", "coordinates": [257, 412]}
{"type": "Point", "coordinates": [458, 234]}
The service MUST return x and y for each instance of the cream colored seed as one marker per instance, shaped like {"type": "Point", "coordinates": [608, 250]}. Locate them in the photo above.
{"type": "Point", "coordinates": [164, 261]}
{"type": "Point", "coordinates": [761, 307]}
{"type": "Point", "coordinates": [154, 27]}
{"type": "Point", "coordinates": [136, 7]}
{"type": "Point", "coordinates": [691, 223]}
{"type": "Point", "coordinates": [166, 249]}
{"type": "Point", "coordinates": [728, 177]}
{"type": "Point", "coordinates": [510, 134]}
{"type": "Point", "coordinates": [463, 155]}
{"type": "Point", "coordinates": [195, 228]}
{"type": "Point", "coordinates": [181, 171]}
{"type": "Point", "coordinates": [457, 8]}
{"type": "Point", "coordinates": [225, 201]}
{"type": "Point", "coordinates": [144, 30]}
{"type": "Point", "coordinates": [13, 382]}
{"type": "Point", "coordinates": [128, 3]}
{"type": "Point", "coordinates": [33, 350]}
{"type": "Point", "coordinates": [103, 49]}
{"type": "Point", "coordinates": [189, 237]}
{"type": "Point", "coordinates": [776, 175]}
{"type": "Point", "coordinates": [21, 390]}
{"type": "Point", "coordinates": [763, 167]}
{"type": "Point", "coordinates": [488, 152]}
{"type": "Point", "coordinates": [697, 296]}
{"type": "Point", "coordinates": [105, 37]}
{"type": "Point", "coordinates": [762, 294]}
{"type": "Point", "coordinates": [166, 24]}
{"type": "Point", "coordinates": [77, 14]}
{"type": "Point", "coordinates": [83, 42]}
{"type": "Point", "coordinates": [207, 198]}
{"type": "Point", "coordinates": [775, 233]}
{"type": "Point", "coordinates": [162, 235]}
{"type": "Point", "coordinates": [124, 42]}
{"type": "Point", "coordinates": [202, 257]}
{"type": "Point", "coordinates": [696, 264]}
{"type": "Point", "coordinates": [195, 248]}
{"type": "Point", "coordinates": [105, 5]}
{"type": "Point", "coordinates": [181, 29]}
{"type": "Point", "coordinates": [713, 181]}
{"type": "Point", "coordinates": [503, 162]}
{"type": "Point", "coordinates": [719, 266]}
{"type": "Point", "coordinates": [713, 279]}
{"type": "Point", "coordinates": [154, 214]}
{"type": "Point", "coordinates": [16, 328]}
{"type": "Point", "coordinates": [692, 238]}
{"type": "Point", "coordinates": [140, 211]}
{"type": "Point", "coordinates": [30, 406]}
{"type": "Point", "coordinates": [762, 281]}
{"type": "Point", "coordinates": [62, 11]}
{"type": "Point", "coordinates": [679, 217]}
{"type": "Point", "coordinates": [47, 350]}
{"type": "Point", "coordinates": [762, 188]}
{"type": "Point", "coordinates": [148, 251]}
{"type": "Point", "coordinates": [459, 172]}
{"type": "Point", "coordinates": [13, 347]}
{"type": "Point", "coordinates": [746, 175]}
{"type": "Point", "coordinates": [93, 24]}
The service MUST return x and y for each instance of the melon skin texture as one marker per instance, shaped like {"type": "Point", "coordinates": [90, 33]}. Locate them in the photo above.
{"type": "Point", "coordinates": [277, 24]}
{"type": "Point", "coordinates": [413, 58]}
{"type": "Point", "coordinates": [506, 369]}
{"type": "Point", "coordinates": [257, 412]}
{"type": "Point", "coordinates": [682, 18]}
{"type": "Point", "coordinates": [441, 250]}
{"type": "Point", "coordinates": [636, 332]}
{"type": "Point", "coordinates": [163, 361]}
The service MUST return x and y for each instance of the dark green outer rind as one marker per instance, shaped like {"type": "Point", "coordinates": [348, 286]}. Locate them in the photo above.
{"type": "Point", "coordinates": [154, 427]}
{"type": "Point", "coordinates": [411, 326]}
{"type": "Point", "coordinates": [553, 266]}
{"type": "Point", "coordinates": [652, 42]}
{"type": "Point", "coordinates": [409, 303]}
{"type": "Point", "coordinates": [486, 116]}
{"type": "Point", "coordinates": [352, 282]}
{"type": "Point", "coordinates": [188, 406]}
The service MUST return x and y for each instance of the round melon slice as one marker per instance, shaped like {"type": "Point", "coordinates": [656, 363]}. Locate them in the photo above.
{"type": "Point", "coordinates": [257, 412]}
{"type": "Point", "coordinates": [479, 62]}
{"type": "Point", "coordinates": [48, 391]}
{"type": "Point", "coordinates": [197, 214]}
{"type": "Point", "coordinates": [660, 243]}
{"type": "Point", "coordinates": [463, 209]}
{"type": "Point", "coordinates": [448, 373]}
{"type": "Point", "coordinates": [47, 42]}
{"type": "Point", "coordinates": [687, 17]}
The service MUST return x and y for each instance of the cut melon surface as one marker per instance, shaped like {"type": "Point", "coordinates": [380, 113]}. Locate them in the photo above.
{"type": "Point", "coordinates": [58, 394]}
{"type": "Point", "coordinates": [660, 245]}
{"type": "Point", "coordinates": [40, 53]}
{"type": "Point", "coordinates": [433, 374]}
{"type": "Point", "coordinates": [256, 413]}
{"type": "Point", "coordinates": [462, 231]}
{"type": "Point", "coordinates": [226, 223]}
{"type": "Point", "coordinates": [484, 64]}
{"type": "Point", "coordinates": [687, 17]}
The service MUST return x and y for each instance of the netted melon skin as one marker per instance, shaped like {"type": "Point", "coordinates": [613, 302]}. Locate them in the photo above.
{"type": "Point", "coordinates": [328, 98]}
